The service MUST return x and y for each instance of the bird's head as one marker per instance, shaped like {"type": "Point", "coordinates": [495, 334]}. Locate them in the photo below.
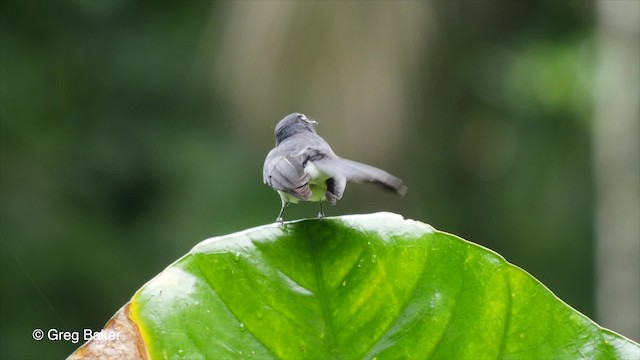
{"type": "Point", "coordinates": [292, 124]}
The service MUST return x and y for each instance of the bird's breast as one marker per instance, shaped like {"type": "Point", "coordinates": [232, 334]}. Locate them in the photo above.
{"type": "Point", "coordinates": [318, 191]}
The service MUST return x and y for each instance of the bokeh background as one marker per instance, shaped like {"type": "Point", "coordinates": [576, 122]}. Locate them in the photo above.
{"type": "Point", "coordinates": [130, 131]}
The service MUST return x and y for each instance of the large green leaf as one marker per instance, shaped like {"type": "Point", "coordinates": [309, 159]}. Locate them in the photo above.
{"type": "Point", "coordinates": [366, 286]}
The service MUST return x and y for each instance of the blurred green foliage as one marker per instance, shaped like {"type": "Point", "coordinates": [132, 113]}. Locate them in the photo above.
{"type": "Point", "coordinates": [119, 151]}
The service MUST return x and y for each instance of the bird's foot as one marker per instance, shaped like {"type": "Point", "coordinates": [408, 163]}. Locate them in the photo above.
{"type": "Point", "coordinates": [321, 213]}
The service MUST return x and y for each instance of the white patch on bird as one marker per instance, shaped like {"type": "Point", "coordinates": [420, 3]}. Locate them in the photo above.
{"type": "Point", "coordinates": [313, 172]}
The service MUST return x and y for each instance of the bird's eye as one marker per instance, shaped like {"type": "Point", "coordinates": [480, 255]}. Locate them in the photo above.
{"type": "Point", "coordinates": [303, 117]}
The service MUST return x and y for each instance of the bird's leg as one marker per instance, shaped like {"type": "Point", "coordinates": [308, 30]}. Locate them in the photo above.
{"type": "Point", "coordinates": [321, 213]}
{"type": "Point", "coordinates": [280, 219]}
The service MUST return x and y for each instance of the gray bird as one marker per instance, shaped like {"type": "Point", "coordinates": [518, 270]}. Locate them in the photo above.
{"type": "Point", "coordinates": [302, 166]}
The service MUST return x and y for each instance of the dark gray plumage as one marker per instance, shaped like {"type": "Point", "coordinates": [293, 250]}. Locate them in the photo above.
{"type": "Point", "coordinates": [302, 166]}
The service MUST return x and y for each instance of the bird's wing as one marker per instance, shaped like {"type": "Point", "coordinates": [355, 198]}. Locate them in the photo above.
{"type": "Point", "coordinates": [359, 172]}
{"type": "Point", "coordinates": [335, 188]}
{"type": "Point", "coordinates": [286, 173]}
